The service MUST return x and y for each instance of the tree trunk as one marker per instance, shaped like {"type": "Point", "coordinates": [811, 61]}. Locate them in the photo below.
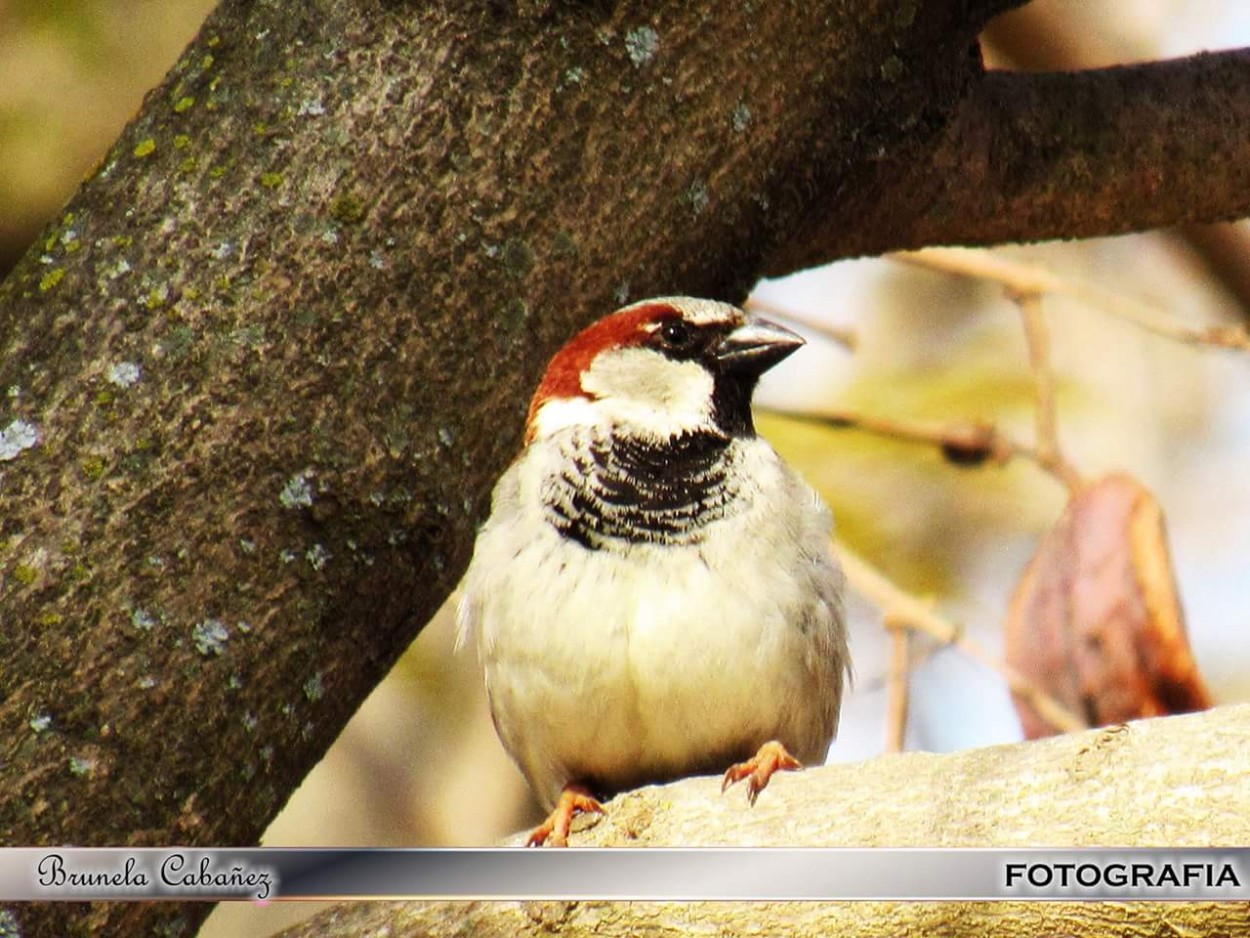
{"type": "Point", "coordinates": [260, 375]}
{"type": "Point", "coordinates": [1176, 782]}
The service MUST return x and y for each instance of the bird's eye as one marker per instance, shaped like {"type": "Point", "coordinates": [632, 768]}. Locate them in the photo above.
{"type": "Point", "coordinates": [677, 334]}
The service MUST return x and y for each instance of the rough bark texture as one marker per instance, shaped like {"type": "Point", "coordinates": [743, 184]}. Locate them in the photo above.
{"type": "Point", "coordinates": [1041, 37]}
{"type": "Point", "coordinates": [785, 920]}
{"type": "Point", "coordinates": [1027, 157]}
{"type": "Point", "coordinates": [1176, 781]}
{"type": "Point", "coordinates": [259, 377]}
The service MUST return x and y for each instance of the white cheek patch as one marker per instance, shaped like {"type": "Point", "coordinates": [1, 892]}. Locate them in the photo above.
{"type": "Point", "coordinates": [560, 413]}
{"type": "Point", "coordinates": [644, 388]}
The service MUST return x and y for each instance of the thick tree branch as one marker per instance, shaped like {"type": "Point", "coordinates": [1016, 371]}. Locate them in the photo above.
{"type": "Point", "coordinates": [781, 920]}
{"type": "Point", "coordinates": [1042, 38]}
{"type": "Point", "coordinates": [1176, 782]}
{"type": "Point", "coordinates": [1029, 157]}
{"type": "Point", "coordinates": [1097, 152]}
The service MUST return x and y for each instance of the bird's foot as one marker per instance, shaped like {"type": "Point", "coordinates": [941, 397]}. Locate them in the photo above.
{"type": "Point", "coordinates": [771, 758]}
{"type": "Point", "coordinates": [554, 832]}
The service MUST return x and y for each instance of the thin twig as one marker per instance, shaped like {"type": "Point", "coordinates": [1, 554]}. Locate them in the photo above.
{"type": "Point", "coordinates": [896, 703]}
{"type": "Point", "coordinates": [969, 443]}
{"type": "Point", "coordinates": [902, 608]}
{"type": "Point", "coordinates": [839, 336]}
{"type": "Point", "coordinates": [1025, 279]}
{"type": "Point", "coordinates": [1050, 454]}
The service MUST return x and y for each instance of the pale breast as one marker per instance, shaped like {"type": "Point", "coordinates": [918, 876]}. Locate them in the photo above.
{"type": "Point", "coordinates": [657, 655]}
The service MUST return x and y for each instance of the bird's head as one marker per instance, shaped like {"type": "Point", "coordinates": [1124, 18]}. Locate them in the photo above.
{"type": "Point", "coordinates": [660, 368]}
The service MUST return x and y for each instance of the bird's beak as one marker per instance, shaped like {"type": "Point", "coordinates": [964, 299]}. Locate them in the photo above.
{"type": "Point", "coordinates": [756, 346]}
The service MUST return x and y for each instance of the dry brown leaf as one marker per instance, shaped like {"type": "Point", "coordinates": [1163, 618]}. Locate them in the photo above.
{"type": "Point", "coordinates": [1095, 619]}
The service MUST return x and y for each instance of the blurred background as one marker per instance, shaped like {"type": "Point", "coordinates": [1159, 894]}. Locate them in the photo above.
{"type": "Point", "coordinates": [420, 764]}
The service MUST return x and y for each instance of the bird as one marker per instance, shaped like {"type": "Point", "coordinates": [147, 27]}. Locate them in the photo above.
{"type": "Point", "coordinates": [653, 594]}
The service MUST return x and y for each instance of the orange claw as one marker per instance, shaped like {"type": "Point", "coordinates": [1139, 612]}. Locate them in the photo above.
{"type": "Point", "coordinates": [554, 832]}
{"type": "Point", "coordinates": [771, 758]}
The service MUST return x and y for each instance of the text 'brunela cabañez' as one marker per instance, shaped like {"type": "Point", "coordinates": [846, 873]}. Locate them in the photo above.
{"type": "Point", "coordinates": [176, 873]}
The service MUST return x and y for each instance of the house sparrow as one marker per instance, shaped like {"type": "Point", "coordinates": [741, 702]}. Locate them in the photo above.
{"type": "Point", "coordinates": [653, 594]}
